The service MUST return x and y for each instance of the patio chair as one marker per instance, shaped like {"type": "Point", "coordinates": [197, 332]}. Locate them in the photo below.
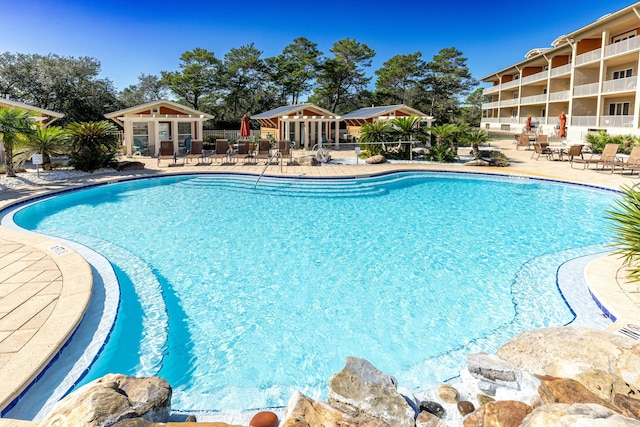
{"type": "Point", "coordinates": [195, 151]}
{"type": "Point", "coordinates": [166, 152]}
{"type": "Point", "coordinates": [222, 150]}
{"type": "Point", "coordinates": [244, 153]}
{"type": "Point", "coordinates": [633, 162]}
{"type": "Point", "coordinates": [263, 152]}
{"type": "Point", "coordinates": [522, 140]}
{"type": "Point", "coordinates": [608, 155]}
{"type": "Point", "coordinates": [572, 152]}
{"type": "Point", "coordinates": [284, 151]}
{"type": "Point", "coordinates": [542, 149]}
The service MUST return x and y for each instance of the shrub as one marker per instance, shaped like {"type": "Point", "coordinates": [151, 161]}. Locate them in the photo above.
{"type": "Point", "coordinates": [93, 145]}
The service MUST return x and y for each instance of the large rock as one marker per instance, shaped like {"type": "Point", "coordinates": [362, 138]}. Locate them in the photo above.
{"type": "Point", "coordinates": [141, 422]}
{"type": "Point", "coordinates": [305, 412]}
{"type": "Point", "coordinates": [113, 398]}
{"type": "Point", "coordinates": [505, 413]}
{"type": "Point", "coordinates": [374, 160]}
{"type": "Point", "coordinates": [361, 388]}
{"type": "Point", "coordinates": [605, 385]}
{"type": "Point", "coordinates": [426, 419]}
{"type": "Point", "coordinates": [566, 390]}
{"type": "Point", "coordinates": [579, 414]}
{"type": "Point", "coordinates": [568, 351]}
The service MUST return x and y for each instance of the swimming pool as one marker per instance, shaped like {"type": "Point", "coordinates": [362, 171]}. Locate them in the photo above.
{"type": "Point", "coordinates": [240, 295]}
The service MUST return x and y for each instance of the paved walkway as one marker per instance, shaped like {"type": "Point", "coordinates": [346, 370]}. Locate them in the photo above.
{"type": "Point", "coordinates": [45, 286]}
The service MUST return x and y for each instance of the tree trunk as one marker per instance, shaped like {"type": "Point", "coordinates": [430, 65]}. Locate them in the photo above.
{"type": "Point", "coordinates": [8, 160]}
{"type": "Point", "coordinates": [476, 151]}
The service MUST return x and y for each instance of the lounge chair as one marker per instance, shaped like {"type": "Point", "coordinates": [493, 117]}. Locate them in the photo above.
{"type": "Point", "coordinates": [223, 150]}
{"type": "Point", "coordinates": [284, 151]}
{"type": "Point", "coordinates": [244, 153]}
{"type": "Point", "coordinates": [542, 149]}
{"type": "Point", "coordinates": [574, 150]}
{"type": "Point", "coordinates": [263, 152]}
{"type": "Point", "coordinates": [522, 140]}
{"type": "Point", "coordinates": [195, 151]}
{"type": "Point", "coordinates": [608, 155]}
{"type": "Point", "coordinates": [633, 162]}
{"type": "Point", "coordinates": [166, 152]}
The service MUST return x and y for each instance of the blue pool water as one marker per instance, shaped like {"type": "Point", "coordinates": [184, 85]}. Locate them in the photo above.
{"type": "Point", "coordinates": [239, 296]}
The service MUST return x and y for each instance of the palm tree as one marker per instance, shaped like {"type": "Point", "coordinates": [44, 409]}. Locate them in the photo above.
{"type": "Point", "coordinates": [443, 132]}
{"type": "Point", "coordinates": [626, 229]}
{"type": "Point", "coordinates": [475, 137]}
{"type": "Point", "coordinates": [50, 141]}
{"type": "Point", "coordinates": [93, 145]}
{"type": "Point", "coordinates": [15, 123]}
{"type": "Point", "coordinates": [379, 131]}
{"type": "Point", "coordinates": [404, 129]}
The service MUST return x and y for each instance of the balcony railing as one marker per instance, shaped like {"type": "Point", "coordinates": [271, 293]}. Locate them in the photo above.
{"type": "Point", "coordinates": [490, 90]}
{"type": "Point", "coordinates": [559, 96]}
{"type": "Point", "coordinates": [563, 69]}
{"type": "Point", "coordinates": [586, 90]}
{"type": "Point", "coordinates": [489, 120]}
{"type": "Point", "coordinates": [584, 121]}
{"type": "Point", "coordinates": [513, 83]}
{"type": "Point", "coordinates": [490, 105]}
{"type": "Point", "coordinates": [620, 85]}
{"type": "Point", "coordinates": [622, 47]}
{"type": "Point", "coordinates": [591, 56]}
{"type": "Point", "coordinates": [535, 99]}
{"type": "Point", "coordinates": [535, 77]}
{"type": "Point", "coordinates": [508, 102]}
{"type": "Point", "coordinates": [617, 121]}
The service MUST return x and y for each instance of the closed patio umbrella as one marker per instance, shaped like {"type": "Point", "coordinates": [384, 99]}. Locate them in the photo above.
{"type": "Point", "coordinates": [562, 131]}
{"type": "Point", "coordinates": [245, 131]}
{"type": "Point", "coordinates": [528, 125]}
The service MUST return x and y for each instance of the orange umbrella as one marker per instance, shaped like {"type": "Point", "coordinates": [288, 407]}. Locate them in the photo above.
{"type": "Point", "coordinates": [245, 130]}
{"type": "Point", "coordinates": [528, 126]}
{"type": "Point", "coordinates": [562, 132]}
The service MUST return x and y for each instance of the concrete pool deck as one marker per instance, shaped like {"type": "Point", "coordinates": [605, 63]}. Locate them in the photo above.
{"type": "Point", "coordinates": [45, 286]}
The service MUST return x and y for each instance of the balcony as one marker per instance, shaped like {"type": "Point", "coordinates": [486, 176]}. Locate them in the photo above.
{"type": "Point", "coordinates": [559, 96]}
{"type": "Point", "coordinates": [624, 46]}
{"type": "Point", "coordinates": [490, 90]}
{"type": "Point", "coordinates": [617, 121]}
{"type": "Point", "coordinates": [490, 105]}
{"type": "Point", "coordinates": [627, 84]}
{"type": "Point", "coordinates": [559, 71]}
{"type": "Point", "coordinates": [592, 56]}
{"type": "Point", "coordinates": [508, 102]}
{"type": "Point", "coordinates": [489, 120]}
{"type": "Point", "coordinates": [584, 121]}
{"type": "Point", "coordinates": [586, 90]}
{"type": "Point", "coordinates": [535, 77]}
{"type": "Point", "coordinates": [535, 99]}
{"type": "Point", "coordinates": [507, 85]}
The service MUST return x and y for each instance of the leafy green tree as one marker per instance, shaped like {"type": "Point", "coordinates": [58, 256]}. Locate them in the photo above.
{"type": "Point", "coordinates": [15, 124]}
{"type": "Point", "coordinates": [49, 141]}
{"type": "Point", "coordinates": [295, 69]}
{"type": "Point", "coordinates": [471, 113]}
{"type": "Point", "coordinates": [379, 131]}
{"type": "Point", "coordinates": [625, 225]}
{"type": "Point", "coordinates": [148, 89]}
{"type": "Point", "coordinates": [344, 75]}
{"type": "Point", "coordinates": [447, 80]}
{"type": "Point", "coordinates": [197, 81]}
{"type": "Point", "coordinates": [93, 145]}
{"type": "Point", "coordinates": [398, 78]}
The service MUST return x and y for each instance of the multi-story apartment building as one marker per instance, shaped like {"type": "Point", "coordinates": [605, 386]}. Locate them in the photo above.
{"type": "Point", "coordinates": [590, 74]}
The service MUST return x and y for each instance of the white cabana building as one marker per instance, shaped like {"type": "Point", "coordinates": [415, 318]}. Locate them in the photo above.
{"type": "Point", "coordinates": [147, 124]}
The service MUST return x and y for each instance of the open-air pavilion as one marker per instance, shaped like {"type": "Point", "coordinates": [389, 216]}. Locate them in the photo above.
{"type": "Point", "coordinates": [147, 124]}
{"type": "Point", "coordinates": [357, 118]}
{"type": "Point", "coordinates": [305, 125]}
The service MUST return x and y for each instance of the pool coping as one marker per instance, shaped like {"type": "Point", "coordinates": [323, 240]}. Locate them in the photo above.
{"type": "Point", "coordinates": [598, 280]}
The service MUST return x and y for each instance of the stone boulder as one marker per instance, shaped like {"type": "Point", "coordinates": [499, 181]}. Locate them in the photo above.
{"type": "Point", "coordinates": [426, 419]}
{"type": "Point", "coordinates": [567, 352]}
{"type": "Point", "coordinates": [505, 413]}
{"type": "Point", "coordinates": [305, 412]}
{"type": "Point", "coordinates": [566, 390]}
{"type": "Point", "coordinates": [579, 414]}
{"type": "Point", "coordinates": [129, 166]}
{"type": "Point", "coordinates": [141, 422]}
{"type": "Point", "coordinates": [605, 385]}
{"type": "Point", "coordinates": [112, 398]}
{"type": "Point", "coordinates": [377, 159]}
{"type": "Point", "coordinates": [477, 162]}
{"type": "Point", "coordinates": [361, 388]}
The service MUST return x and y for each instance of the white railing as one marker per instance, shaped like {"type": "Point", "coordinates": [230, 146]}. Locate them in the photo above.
{"type": "Point", "coordinates": [489, 105]}
{"type": "Point", "coordinates": [508, 102]}
{"type": "Point", "coordinates": [617, 121]}
{"type": "Point", "coordinates": [584, 121]}
{"type": "Point", "coordinates": [513, 83]}
{"type": "Point", "coordinates": [535, 99]}
{"type": "Point", "coordinates": [620, 85]}
{"type": "Point", "coordinates": [553, 120]}
{"type": "Point", "coordinates": [490, 120]}
{"type": "Point", "coordinates": [622, 47]}
{"type": "Point", "coordinates": [535, 77]}
{"type": "Point", "coordinates": [586, 90]}
{"type": "Point", "coordinates": [509, 120]}
{"type": "Point", "coordinates": [563, 69]}
{"type": "Point", "coordinates": [591, 56]}
{"type": "Point", "coordinates": [490, 90]}
{"type": "Point", "coordinates": [559, 96]}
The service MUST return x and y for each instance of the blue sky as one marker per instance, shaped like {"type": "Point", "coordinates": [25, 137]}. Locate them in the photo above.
{"type": "Point", "coordinates": [130, 38]}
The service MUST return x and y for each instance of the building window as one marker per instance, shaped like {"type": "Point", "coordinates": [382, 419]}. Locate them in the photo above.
{"type": "Point", "coordinates": [543, 113]}
{"type": "Point", "coordinates": [619, 109]}
{"type": "Point", "coordinates": [515, 95]}
{"type": "Point", "coordinates": [141, 138]}
{"type": "Point", "coordinates": [184, 131]}
{"type": "Point", "coordinates": [625, 36]}
{"type": "Point", "coordinates": [621, 74]}
{"type": "Point", "coordinates": [514, 114]}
